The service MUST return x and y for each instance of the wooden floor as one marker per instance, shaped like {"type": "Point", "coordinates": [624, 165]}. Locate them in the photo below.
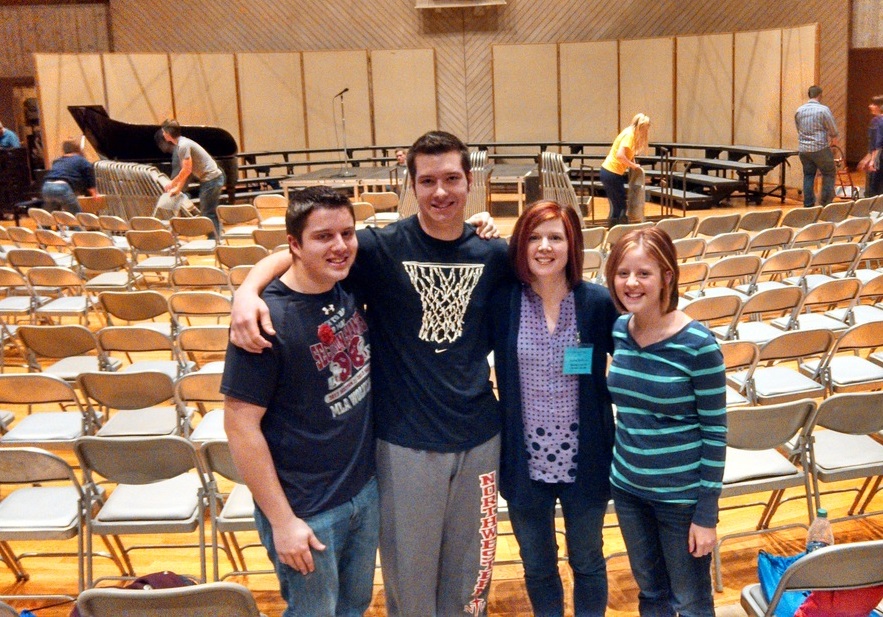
{"type": "Point", "coordinates": [507, 595]}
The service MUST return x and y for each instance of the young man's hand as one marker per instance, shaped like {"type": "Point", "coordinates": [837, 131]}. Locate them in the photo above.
{"type": "Point", "coordinates": [294, 543]}
{"type": "Point", "coordinates": [484, 225]}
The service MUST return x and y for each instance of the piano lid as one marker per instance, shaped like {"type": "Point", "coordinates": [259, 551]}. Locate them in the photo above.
{"type": "Point", "coordinates": [122, 141]}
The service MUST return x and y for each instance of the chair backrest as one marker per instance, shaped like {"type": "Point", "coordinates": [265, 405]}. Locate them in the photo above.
{"type": "Point", "coordinates": [768, 426]}
{"type": "Point", "coordinates": [43, 218]}
{"type": "Point", "coordinates": [740, 354]}
{"type": "Point", "coordinates": [66, 220]}
{"type": "Point", "coordinates": [689, 248]}
{"type": "Point", "coordinates": [708, 309]}
{"type": "Point", "coordinates": [22, 259]}
{"type": "Point", "coordinates": [207, 600]}
{"type": "Point", "coordinates": [88, 221]}
{"type": "Point", "coordinates": [681, 227]}
{"type": "Point", "coordinates": [853, 413]}
{"type": "Point", "coordinates": [362, 211]}
{"type": "Point", "coordinates": [231, 256]}
{"type": "Point", "coordinates": [134, 306]}
{"type": "Point", "coordinates": [729, 243]}
{"type": "Point", "coordinates": [718, 224]}
{"type": "Point", "coordinates": [192, 226]}
{"type": "Point", "coordinates": [801, 217]}
{"type": "Point", "coordinates": [769, 239]}
{"type": "Point", "coordinates": [382, 200]}
{"type": "Point", "coordinates": [814, 234]}
{"type": "Point", "coordinates": [270, 238]}
{"type": "Point", "coordinates": [32, 466]}
{"type": "Point", "coordinates": [776, 300]}
{"type": "Point", "coordinates": [210, 338]}
{"type": "Point", "coordinates": [593, 237]}
{"type": "Point", "coordinates": [49, 238]}
{"type": "Point", "coordinates": [22, 236]}
{"type": "Point", "coordinates": [151, 241]}
{"type": "Point", "coordinates": [101, 258]}
{"type": "Point", "coordinates": [218, 458]}
{"type": "Point", "coordinates": [734, 268]}
{"type": "Point", "coordinates": [797, 345]}
{"type": "Point", "coordinates": [186, 304]}
{"type": "Point", "coordinates": [238, 214]}
{"type": "Point", "coordinates": [134, 460]}
{"type": "Point", "coordinates": [198, 277]}
{"type": "Point", "coordinates": [90, 239]}
{"type": "Point", "coordinates": [861, 336]}
{"type": "Point", "coordinates": [836, 211]}
{"type": "Point", "coordinates": [58, 341]}
{"type": "Point", "coordinates": [691, 274]}
{"type": "Point", "coordinates": [618, 231]}
{"type": "Point", "coordinates": [758, 220]}
{"type": "Point", "coordinates": [113, 224]}
{"type": "Point", "coordinates": [35, 389]}
{"type": "Point", "coordinates": [54, 276]}
{"type": "Point", "coordinates": [276, 202]}
{"type": "Point", "coordinates": [147, 223]}
{"type": "Point", "coordinates": [843, 566]}
{"type": "Point", "coordinates": [830, 294]}
{"type": "Point", "coordinates": [122, 390]}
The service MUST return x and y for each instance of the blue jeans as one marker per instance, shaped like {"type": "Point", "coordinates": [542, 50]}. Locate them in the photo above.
{"type": "Point", "coordinates": [209, 196]}
{"type": "Point", "coordinates": [342, 583]}
{"type": "Point", "coordinates": [534, 529]}
{"type": "Point", "coordinates": [614, 188]}
{"type": "Point", "coordinates": [60, 196]}
{"type": "Point", "coordinates": [823, 162]}
{"type": "Point", "coordinates": [671, 581]}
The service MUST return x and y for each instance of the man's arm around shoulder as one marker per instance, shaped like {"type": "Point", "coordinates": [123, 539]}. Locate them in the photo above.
{"type": "Point", "coordinates": [292, 537]}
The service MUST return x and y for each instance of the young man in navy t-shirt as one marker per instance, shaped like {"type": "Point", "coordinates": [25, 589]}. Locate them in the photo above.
{"type": "Point", "coordinates": [299, 421]}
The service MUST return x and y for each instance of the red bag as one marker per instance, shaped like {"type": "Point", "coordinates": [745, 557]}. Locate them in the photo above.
{"type": "Point", "coordinates": [157, 580]}
{"type": "Point", "coordinates": [841, 603]}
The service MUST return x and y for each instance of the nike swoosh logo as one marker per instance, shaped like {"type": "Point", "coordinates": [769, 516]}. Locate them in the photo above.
{"type": "Point", "coordinates": [441, 350]}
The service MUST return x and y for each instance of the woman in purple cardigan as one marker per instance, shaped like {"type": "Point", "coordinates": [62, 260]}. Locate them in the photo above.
{"type": "Point", "coordinates": [552, 335]}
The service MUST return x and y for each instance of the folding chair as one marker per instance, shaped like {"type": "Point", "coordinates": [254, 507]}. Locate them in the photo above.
{"type": "Point", "coordinates": [238, 221]}
{"type": "Point", "coordinates": [65, 222]}
{"type": "Point", "coordinates": [86, 220]}
{"type": "Point", "coordinates": [237, 512]}
{"type": "Point", "coordinates": [154, 251]}
{"type": "Point", "coordinates": [593, 266]}
{"type": "Point", "coordinates": [768, 240]}
{"type": "Point", "coordinates": [363, 213]}
{"type": "Point", "coordinates": [593, 237]}
{"type": "Point", "coordinates": [767, 451]}
{"type": "Point", "coordinates": [618, 231]}
{"type": "Point", "coordinates": [248, 255]}
{"type": "Point", "coordinates": [851, 230]}
{"type": "Point", "coordinates": [205, 278]}
{"type": "Point", "coordinates": [726, 244]}
{"type": "Point", "coordinates": [205, 346]}
{"type": "Point", "coordinates": [725, 274]}
{"type": "Point", "coordinates": [773, 381]}
{"type": "Point", "coordinates": [136, 404]}
{"type": "Point", "coordinates": [864, 308]}
{"type": "Point", "coordinates": [689, 248]}
{"type": "Point", "coordinates": [783, 268]}
{"type": "Point", "coordinates": [90, 239]}
{"type": "Point", "coordinates": [71, 300]}
{"type": "Point", "coordinates": [681, 227]}
{"type": "Point", "coordinates": [146, 308]}
{"type": "Point", "coordinates": [154, 494]}
{"type": "Point", "coordinates": [40, 427]}
{"type": "Point", "coordinates": [739, 356]}
{"type": "Point", "coordinates": [36, 512]}
{"type": "Point", "coordinates": [836, 212]}
{"type": "Point", "coordinates": [271, 202]}
{"type": "Point", "coordinates": [826, 262]}
{"type": "Point", "coordinates": [208, 600]}
{"type": "Point", "coordinates": [202, 391]}
{"type": "Point", "coordinates": [692, 277]}
{"type": "Point", "coordinates": [270, 239]}
{"type": "Point", "coordinates": [106, 268]}
{"type": "Point", "coordinates": [42, 218]}
{"type": "Point", "coordinates": [749, 324]}
{"type": "Point", "coordinates": [845, 566]}
{"type": "Point", "coordinates": [192, 308]}
{"type": "Point", "coordinates": [871, 257]}
{"type": "Point", "coordinates": [849, 448]}
{"type": "Point", "coordinates": [814, 235]}
{"type": "Point", "coordinates": [844, 369]}
{"type": "Point", "coordinates": [718, 224]}
{"type": "Point", "coordinates": [139, 345]}
{"type": "Point", "coordinates": [759, 220]}
{"type": "Point", "coordinates": [716, 312]}
{"type": "Point", "coordinates": [72, 349]}
{"type": "Point", "coordinates": [813, 311]}
{"type": "Point", "coordinates": [386, 205]}
{"type": "Point", "coordinates": [800, 216]}
{"type": "Point", "coordinates": [195, 235]}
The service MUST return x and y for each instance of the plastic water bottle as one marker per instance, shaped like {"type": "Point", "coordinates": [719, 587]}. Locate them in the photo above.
{"type": "Point", "coordinates": [820, 533]}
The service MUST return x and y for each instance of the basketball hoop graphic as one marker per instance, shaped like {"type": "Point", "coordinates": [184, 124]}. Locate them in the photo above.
{"type": "Point", "coordinates": [445, 290]}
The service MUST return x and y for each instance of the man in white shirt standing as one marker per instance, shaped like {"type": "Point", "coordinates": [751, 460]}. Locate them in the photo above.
{"type": "Point", "coordinates": [816, 133]}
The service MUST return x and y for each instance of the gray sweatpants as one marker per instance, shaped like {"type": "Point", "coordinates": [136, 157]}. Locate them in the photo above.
{"type": "Point", "coordinates": [438, 528]}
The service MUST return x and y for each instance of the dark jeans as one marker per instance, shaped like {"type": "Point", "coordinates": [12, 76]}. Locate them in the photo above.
{"type": "Point", "coordinates": [671, 581]}
{"type": "Point", "coordinates": [534, 529]}
{"type": "Point", "coordinates": [209, 196]}
{"type": "Point", "coordinates": [614, 188]}
{"type": "Point", "coordinates": [823, 162]}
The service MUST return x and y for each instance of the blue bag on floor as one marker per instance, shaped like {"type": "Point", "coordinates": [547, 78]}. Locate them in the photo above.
{"type": "Point", "coordinates": [770, 569]}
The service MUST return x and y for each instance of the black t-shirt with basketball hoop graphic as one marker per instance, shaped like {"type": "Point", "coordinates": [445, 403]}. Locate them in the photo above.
{"type": "Point", "coordinates": [427, 309]}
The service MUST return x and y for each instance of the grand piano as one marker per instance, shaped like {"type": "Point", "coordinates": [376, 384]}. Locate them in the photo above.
{"type": "Point", "coordinates": [144, 143]}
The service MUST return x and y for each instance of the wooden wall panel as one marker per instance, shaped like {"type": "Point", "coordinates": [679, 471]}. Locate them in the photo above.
{"type": "Point", "coordinates": [139, 87]}
{"type": "Point", "coordinates": [204, 90]}
{"type": "Point", "coordinates": [525, 92]}
{"type": "Point", "coordinates": [757, 118]}
{"type": "Point", "coordinates": [62, 80]}
{"type": "Point", "coordinates": [589, 91]}
{"type": "Point", "coordinates": [867, 15]}
{"type": "Point", "coordinates": [405, 102]}
{"type": "Point", "coordinates": [646, 84]}
{"type": "Point", "coordinates": [799, 72]}
{"type": "Point", "coordinates": [325, 74]}
{"type": "Point", "coordinates": [705, 88]}
{"type": "Point", "coordinates": [29, 29]}
{"type": "Point", "coordinates": [271, 101]}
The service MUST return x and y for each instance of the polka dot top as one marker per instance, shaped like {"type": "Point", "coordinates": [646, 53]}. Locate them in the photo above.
{"type": "Point", "coordinates": [549, 398]}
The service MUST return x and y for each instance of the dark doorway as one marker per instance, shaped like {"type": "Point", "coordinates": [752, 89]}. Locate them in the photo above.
{"type": "Point", "coordinates": [865, 79]}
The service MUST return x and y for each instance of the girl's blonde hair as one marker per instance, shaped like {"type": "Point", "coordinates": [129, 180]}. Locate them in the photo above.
{"type": "Point", "coordinates": [641, 127]}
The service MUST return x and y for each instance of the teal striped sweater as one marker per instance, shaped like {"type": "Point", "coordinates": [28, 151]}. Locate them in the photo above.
{"type": "Point", "coordinates": [671, 424]}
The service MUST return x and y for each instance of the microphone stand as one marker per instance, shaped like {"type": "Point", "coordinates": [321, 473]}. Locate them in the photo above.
{"type": "Point", "coordinates": [344, 172]}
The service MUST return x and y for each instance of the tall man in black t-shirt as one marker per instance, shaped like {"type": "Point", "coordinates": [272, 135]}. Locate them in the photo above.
{"type": "Point", "coordinates": [427, 282]}
{"type": "Point", "coordinates": [298, 418]}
